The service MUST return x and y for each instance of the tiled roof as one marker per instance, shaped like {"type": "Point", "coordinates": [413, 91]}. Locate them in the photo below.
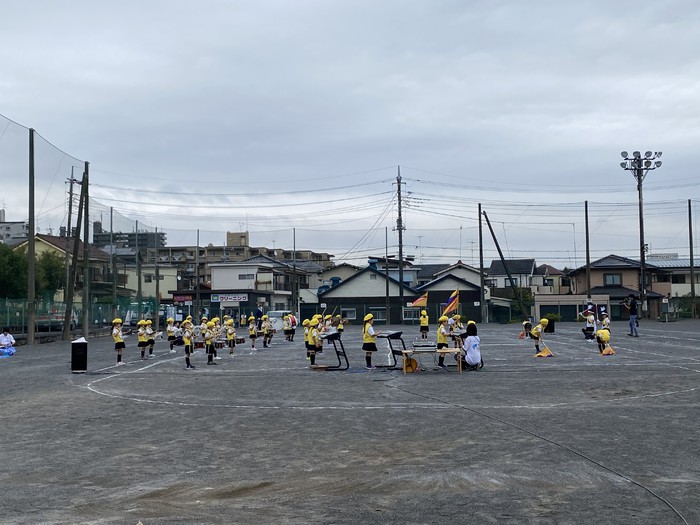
{"type": "Point", "coordinates": [515, 266]}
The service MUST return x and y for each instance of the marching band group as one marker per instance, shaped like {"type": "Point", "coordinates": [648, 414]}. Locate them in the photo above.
{"type": "Point", "coordinates": [216, 333]}
{"type": "Point", "coordinates": [209, 334]}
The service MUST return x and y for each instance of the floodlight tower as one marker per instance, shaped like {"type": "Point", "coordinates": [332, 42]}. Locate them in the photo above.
{"type": "Point", "coordinates": [640, 167]}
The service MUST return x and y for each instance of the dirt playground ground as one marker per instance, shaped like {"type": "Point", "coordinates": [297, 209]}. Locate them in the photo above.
{"type": "Point", "coordinates": [261, 439]}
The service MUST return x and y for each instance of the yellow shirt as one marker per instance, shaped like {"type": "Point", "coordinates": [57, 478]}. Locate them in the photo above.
{"type": "Point", "coordinates": [366, 336]}
{"type": "Point", "coordinates": [315, 338]}
{"type": "Point", "coordinates": [537, 331]}
{"type": "Point", "coordinates": [441, 334]}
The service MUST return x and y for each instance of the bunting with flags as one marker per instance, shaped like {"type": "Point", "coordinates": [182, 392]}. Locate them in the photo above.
{"type": "Point", "coordinates": [421, 301]}
{"type": "Point", "coordinates": [452, 302]}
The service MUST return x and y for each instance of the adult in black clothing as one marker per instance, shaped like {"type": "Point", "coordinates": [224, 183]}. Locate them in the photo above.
{"type": "Point", "coordinates": [631, 305]}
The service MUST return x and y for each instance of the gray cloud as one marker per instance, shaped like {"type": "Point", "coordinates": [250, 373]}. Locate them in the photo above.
{"type": "Point", "coordinates": [485, 101]}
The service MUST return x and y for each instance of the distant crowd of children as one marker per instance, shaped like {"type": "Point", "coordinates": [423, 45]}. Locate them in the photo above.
{"type": "Point", "coordinates": [217, 333]}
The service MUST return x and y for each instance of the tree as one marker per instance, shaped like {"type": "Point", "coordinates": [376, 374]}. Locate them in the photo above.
{"type": "Point", "coordinates": [13, 273]}
{"type": "Point", "coordinates": [50, 273]}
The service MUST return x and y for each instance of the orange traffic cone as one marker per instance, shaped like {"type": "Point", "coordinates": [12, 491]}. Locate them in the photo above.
{"type": "Point", "coordinates": [522, 335]}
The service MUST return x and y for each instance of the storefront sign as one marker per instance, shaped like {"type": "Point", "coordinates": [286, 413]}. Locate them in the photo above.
{"type": "Point", "coordinates": [229, 297]}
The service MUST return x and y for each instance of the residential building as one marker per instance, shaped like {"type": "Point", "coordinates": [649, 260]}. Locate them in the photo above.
{"type": "Point", "coordinates": [671, 278]}
{"type": "Point", "coordinates": [332, 276]}
{"type": "Point", "coordinates": [100, 277]}
{"type": "Point", "coordinates": [612, 279]}
{"type": "Point", "coordinates": [240, 287]}
{"type": "Point", "coordinates": [12, 232]}
{"type": "Point", "coordinates": [549, 280]}
{"type": "Point", "coordinates": [362, 293]}
{"type": "Point", "coordinates": [521, 272]}
{"type": "Point", "coordinates": [143, 239]}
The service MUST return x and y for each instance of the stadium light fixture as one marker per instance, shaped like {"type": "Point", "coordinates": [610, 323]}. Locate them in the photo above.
{"type": "Point", "coordinates": [639, 170]}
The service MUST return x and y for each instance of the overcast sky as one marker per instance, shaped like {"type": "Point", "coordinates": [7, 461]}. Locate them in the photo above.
{"type": "Point", "coordinates": [290, 119]}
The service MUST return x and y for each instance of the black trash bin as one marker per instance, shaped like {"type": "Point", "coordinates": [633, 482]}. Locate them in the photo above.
{"type": "Point", "coordinates": [78, 362]}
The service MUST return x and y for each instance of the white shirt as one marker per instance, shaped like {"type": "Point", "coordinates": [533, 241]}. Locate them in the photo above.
{"type": "Point", "coordinates": [472, 349]}
{"type": "Point", "coordinates": [6, 340]}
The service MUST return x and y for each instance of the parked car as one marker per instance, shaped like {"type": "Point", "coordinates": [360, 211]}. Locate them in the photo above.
{"type": "Point", "coordinates": [53, 321]}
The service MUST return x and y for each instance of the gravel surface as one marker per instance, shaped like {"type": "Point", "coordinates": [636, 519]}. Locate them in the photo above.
{"type": "Point", "coordinates": [260, 438]}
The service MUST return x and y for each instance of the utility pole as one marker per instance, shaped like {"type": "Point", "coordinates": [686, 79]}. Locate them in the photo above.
{"type": "Point", "coordinates": [69, 299]}
{"type": "Point", "coordinates": [516, 292]}
{"type": "Point", "coordinates": [460, 243]}
{"type": "Point", "coordinates": [295, 283]}
{"type": "Point", "coordinates": [31, 249]}
{"type": "Point", "coordinates": [588, 259]}
{"type": "Point", "coordinates": [692, 262]}
{"type": "Point", "coordinates": [139, 291]}
{"type": "Point", "coordinates": [482, 284]}
{"type": "Point", "coordinates": [400, 227]}
{"type": "Point", "coordinates": [198, 305]}
{"type": "Point", "coordinates": [386, 273]}
{"type": "Point", "coordinates": [69, 232]}
{"type": "Point", "coordinates": [157, 272]}
{"type": "Point", "coordinates": [86, 253]}
{"type": "Point", "coordinates": [113, 263]}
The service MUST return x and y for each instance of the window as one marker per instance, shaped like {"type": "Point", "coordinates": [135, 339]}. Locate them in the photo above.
{"type": "Point", "coordinates": [373, 277]}
{"type": "Point", "coordinates": [147, 278]}
{"type": "Point", "coordinates": [378, 313]}
{"type": "Point", "coordinates": [678, 278]}
{"type": "Point", "coordinates": [548, 282]}
{"type": "Point", "coordinates": [663, 278]}
{"type": "Point", "coordinates": [612, 279]}
{"type": "Point", "coordinates": [411, 314]}
{"type": "Point", "coordinates": [246, 276]}
{"type": "Point", "coordinates": [349, 313]}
